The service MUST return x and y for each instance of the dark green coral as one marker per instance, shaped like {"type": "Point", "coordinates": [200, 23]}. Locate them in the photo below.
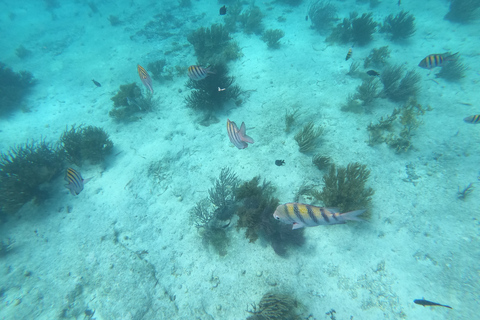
{"type": "Point", "coordinates": [400, 27]}
{"type": "Point", "coordinates": [14, 87]}
{"type": "Point", "coordinates": [274, 306]}
{"type": "Point", "coordinates": [358, 30]}
{"type": "Point", "coordinates": [129, 101]}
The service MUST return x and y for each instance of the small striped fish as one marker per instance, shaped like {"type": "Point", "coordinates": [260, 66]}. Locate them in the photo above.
{"type": "Point", "coordinates": [146, 80]}
{"type": "Point", "coordinates": [305, 215]}
{"type": "Point", "coordinates": [349, 54]}
{"type": "Point", "coordinates": [198, 73]}
{"type": "Point", "coordinates": [238, 137]}
{"type": "Point", "coordinates": [473, 119]}
{"type": "Point", "coordinates": [436, 60]}
{"type": "Point", "coordinates": [75, 181]}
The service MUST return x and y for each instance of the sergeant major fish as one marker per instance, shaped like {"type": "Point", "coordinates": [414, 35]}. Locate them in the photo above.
{"type": "Point", "coordinates": [472, 119]}
{"type": "Point", "coordinates": [304, 215]}
{"type": "Point", "coordinates": [75, 181]}
{"type": "Point", "coordinates": [436, 60]}
{"type": "Point", "coordinates": [198, 73]}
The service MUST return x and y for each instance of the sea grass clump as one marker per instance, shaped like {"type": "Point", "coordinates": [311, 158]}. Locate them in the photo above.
{"type": "Point", "coordinates": [398, 85]}
{"type": "Point", "coordinates": [321, 162]}
{"type": "Point", "coordinates": [358, 30]}
{"type": "Point", "coordinates": [206, 96]}
{"type": "Point", "coordinates": [290, 117]}
{"type": "Point", "coordinates": [274, 306]}
{"type": "Point", "coordinates": [345, 188]}
{"type": "Point", "coordinates": [453, 70]}
{"type": "Point", "coordinates": [377, 58]}
{"type": "Point", "coordinates": [129, 102]}
{"type": "Point", "coordinates": [400, 27]}
{"type": "Point", "coordinates": [80, 144]}
{"type": "Point", "coordinates": [322, 15]}
{"type": "Point", "coordinates": [271, 38]}
{"type": "Point", "coordinates": [463, 11]}
{"type": "Point", "coordinates": [251, 20]}
{"type": "Point", "coordinates": [24, 172]}
{"type": "Point", "coordinates": [14, 88]}
{"type": "Point", "coordinates": [368, 91]}
{"type": "Point", "coordinates": [307, 138]}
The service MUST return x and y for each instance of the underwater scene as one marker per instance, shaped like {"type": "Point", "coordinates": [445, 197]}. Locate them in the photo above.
{"type": "Point", "coordinates": [228, 159]}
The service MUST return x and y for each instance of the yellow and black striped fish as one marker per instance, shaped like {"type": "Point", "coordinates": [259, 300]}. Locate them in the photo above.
{"type": "Point", "coordinates": [473, 119]}
{"type": "Point", "coordinates": [302, 215]}
{"type": "Point", "coordinates": [436, 60]}
{"type": "Point", "coordinates": [146, 80]}
{"type": "Point", "coordinates": [349, 54]}
{"type": "Point", "coordinates": [75, 181]}
{"type": "Point", "coordinates": [198, 73]}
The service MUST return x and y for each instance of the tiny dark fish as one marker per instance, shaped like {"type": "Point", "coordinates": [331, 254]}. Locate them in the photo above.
{"type": "Point", "coordinates": [373, 73]}
{"type": "Point", "coordinates": [306, 18]}
{"type": "Point", "coordinates": [279, 162]}
{"type": "Point", "coordinates": [349, 54]}
{"type": "Point", "coordinates": [97, 83]}
{"type": "Point", "coordinates": [75, 181]}
{"type": "Point", "coordinates": [223, 11]}
{"type": "Point", "coordinates": [430, 303]}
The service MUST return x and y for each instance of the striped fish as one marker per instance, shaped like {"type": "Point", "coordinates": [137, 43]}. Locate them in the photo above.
{"type": "Point", "coordinates": [305, 215]}
{"type": "Point", "coordinates": [349, 54]}
{"type": "Point", "coordinates": [472, 119]}
{"type": "Point", "coordinates": [146, 80]}
{"type": "Point", "coordinates": [75, 181]}
{"type": "Point", "coordinates": [198, 73]}
{"type": "Point", "coordinates": [436, 60]}
{"type": "Point", "coordinates": [238, 137]}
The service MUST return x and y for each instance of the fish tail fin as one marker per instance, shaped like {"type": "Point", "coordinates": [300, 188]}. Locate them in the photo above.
{"type": "Point", "coordinates": [86, 180]}
{"type": "Point", "coordinates": [451, 57]}
{"type": "Point", "coordinates": [208, 69]}
{"type": "Point", "coordinates": [353, 215]}
{"type": "Point", "coordinates": [243, 134]}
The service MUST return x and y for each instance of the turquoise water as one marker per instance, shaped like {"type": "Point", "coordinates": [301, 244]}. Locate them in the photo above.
{"type": "Point", "coordinates": [133, 243]}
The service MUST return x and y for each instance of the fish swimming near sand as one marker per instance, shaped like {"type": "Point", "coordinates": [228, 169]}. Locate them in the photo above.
{"type": "Point", "coordinates": [302, 215]}
{"type": "Point", "coordinates": [146, 80]}
{"type": "Point", "coordinates": [237, 136]}
{"type": "Point", "coordinates": [96, 83]}
{"type": "Point", "coordinates": [436, 60]}
{"type": "Point", "coordinates": [426, 303]}
{"type": "Point", "coordinates": [472, 119]}
{"type": "Point", "coordinates": [349, 54]}
{"type": "Point", "coordinates": [373, 73]}
{"type": "Point", "coordinates": [197, 73]}
{"type": "Point", "coordinates": [75, 181]}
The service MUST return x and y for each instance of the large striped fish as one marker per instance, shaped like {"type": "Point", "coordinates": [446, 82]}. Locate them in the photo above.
{"type": "Point", "coordinates": [146, 80]}
{"type": "Point", "coordinates": [198, 73]}
{"type": "Point", "coordinates": [304, 215]}
{"type": "Point", "coordinates": [238, 136]}
{"type": "Point", "coordinates": [75, 181]}
{"type": "Point", "coordinates": [436, 60]}
{"type": "Point", "coordinates": [472, 119]}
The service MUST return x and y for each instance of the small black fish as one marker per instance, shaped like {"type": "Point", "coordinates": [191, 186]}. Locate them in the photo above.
{"type": "Point", "coordinates": [373, 73]}
{"type": "Point", "coordinates": [223, 10]}
{"type": "Point", "coordinates": [97, 83]}
{"type": "Point", "coordinates": [430, 303]}
{"type": "Point", "coordinates": [306, 18]}
{"type": "Point", "coordinates": [279, 162]}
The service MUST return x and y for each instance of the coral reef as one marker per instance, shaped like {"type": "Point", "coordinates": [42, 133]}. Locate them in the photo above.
{"type": "Point", "coordinates": [400, 27]}
{"type": "Point", "coordinates": [321, 161]}
{"type": "Point", "coordinates": [251, 20]}
{"type": "Point", "coordinates": [453, 70]}
{"type": "Point", "coordinates": [271, 38]}
{"type": "Point", "coordinates": [255, 214]}
{"type": "Point", "coordinates": [377, 57]}
{"type": "Point", "coordinates": [463, 11]}
{"type": "Point", "coordinates": [345, 188]}
{"type": "Point", "coordinates": [397, 88]}
{"type": "Point", "coordinates": [85, 143]}
{"type": "Point", "coordinates": [322, 15]}
{"type": "Point", "coordinates": [14, 87]}
{"type": "Point", "coordinates": [129, 101]}
{"type": "Point", "coordinates": [212, 45]}
{"type": "Point", "coordinates": [24, 170]}
{"type": "Point", "coordinates": [357, 30]}
{"type": "Point", "coordinates": [307, 138]}
{"type": "Point", "coordinates": [274, 306]}
{"type": "Point", "coordinates": [207, 97]}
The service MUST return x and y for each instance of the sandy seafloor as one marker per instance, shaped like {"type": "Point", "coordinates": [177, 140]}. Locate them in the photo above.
{"type": "Point", "coordinates": [421, 240]}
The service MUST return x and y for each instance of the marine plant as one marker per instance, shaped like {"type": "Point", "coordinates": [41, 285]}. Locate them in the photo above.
{"type": "Point", "coordinates": [251, 20]}
{"type": "Point", "coordinates": [129, 101]}
{"type": "Point", "coordinates": [274, 306]}
{"type": "Point", "coordinates": [23, 52]}
{"type": "Point", "coordinates": [322, 15]}
{"type": "Point", "coordinates": [463, 11]}
{"type": "Point", "coordinates": [5, 247]}
{"type": "Point", "coordinates": [345, 188]}
{"type": "Point", "coordinates": [213, 215]}
{"type": "Point", "coordinates": [114, 20]}
{"type": "Point", "coordinates": [14, 87]}
{"type": "Point", "coordinates": [272, 36]}
{"type": "Point", "coordinates": [367, 91]}
{"type": "Point", "coordinates": [85, 143]}
{"type": "Point", "coordinates": [377, 57]}
{"type": "Point", "coordinates": [210, 44]}
{"type": "Point", "coordinates": [465, 192]}
{"type": "Point", "coordinates": [321, 161]}
{"type": "Point", "coordinates": [358, 30]}
{"type": "Point", "coordinates": [353, 104]}
{"type": "Point", "coordinates": [453, 70]}
{"type": "Point", "coordinates": [156, 68]}
{"type": "Point", "coordinates": [290, 117]}
{"type": "Point", "coordinates": [255, 211]}
{"type": "Point", "coordinates": [375, 131]}
{"type": "Point", "coordinates": [291, 2]}
{"type": "Point", "coordinates": [397, 88]}
{"type": "Point", "coordinates": [24, 171]}
{"type": "Point", "coordinates": [206, 96]}
{"type": "Point", "coordinates": [233, 15]}
{"type": "Point", "coordinates": [400, 27]}
{"type": "Point", "coordinates": [307, 137]}
{"type": "Point", "coordinates": [353, 70]}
